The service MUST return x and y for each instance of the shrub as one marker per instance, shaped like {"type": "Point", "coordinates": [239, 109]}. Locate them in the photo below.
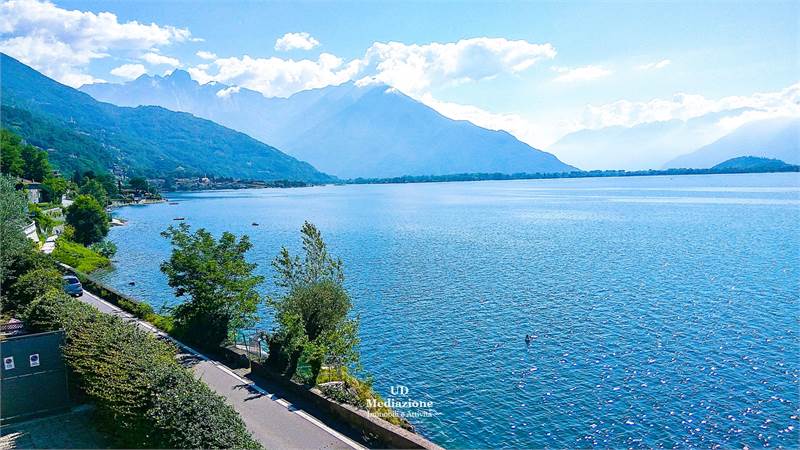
{"type": "Point", "coordinates": [34, 284]}
{"type": "Point", "coordinates": [78, 256]}
{"type": "Point", "coordinates": [105, 248]}
{"type": "Point", "coordinates": [144, 397]}
{"type": "Point", "coordinates": [357, 392]}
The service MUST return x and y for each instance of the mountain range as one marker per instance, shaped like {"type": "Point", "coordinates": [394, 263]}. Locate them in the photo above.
{"type": "Point", "coordinates": [777, 138]}
{"type": "Point", "coordinates": [348, 130]}
{"type": "Point", "coordinates": [82, 133]}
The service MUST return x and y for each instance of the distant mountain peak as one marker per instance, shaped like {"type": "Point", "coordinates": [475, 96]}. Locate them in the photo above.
{"type": "Point", "coordinates": [350, 130]}
{"type": "Point", "coordinates": [147, 139]}
{"type": "Point", "coordinates": [180, 76]}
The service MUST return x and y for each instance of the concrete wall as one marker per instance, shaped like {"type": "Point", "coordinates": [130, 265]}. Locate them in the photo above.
{"type": "Point", "coordinates": [390, 435]}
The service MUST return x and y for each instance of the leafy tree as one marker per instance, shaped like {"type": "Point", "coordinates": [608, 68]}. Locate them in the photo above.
{"type": "Point", "coordinates": [44, 222]}
{"type": "Point", "coordinates": [109, 184]}
{"type": "Point", "coordinates": [313, 315]}
{"type": "Point", "coordinates": [55, 187]}
{"type": "Point", "coordinates": [139, 184]}
{"type": "Point", "coordinates": [89, 220]}
{"type": "Point", "coordinates": [34, 284]}
{"type": "Point", "coordinates": [35, 164]}
{"type": "Point", "coordinates": [218, 281]}
{"type": "Point", "coordinates": [11, 162]}
{"type": "Point", "coordinates": [95, 188]}
{"type": "Point", "coordinates": [13, 218]}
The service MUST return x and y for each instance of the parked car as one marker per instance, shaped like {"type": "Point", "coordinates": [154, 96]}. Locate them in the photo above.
{"type": "Point", "coordinates": [72, 285]}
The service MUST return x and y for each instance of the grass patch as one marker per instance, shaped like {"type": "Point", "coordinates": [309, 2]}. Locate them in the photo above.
{"type": "Point", "coordinates": [78, 256]}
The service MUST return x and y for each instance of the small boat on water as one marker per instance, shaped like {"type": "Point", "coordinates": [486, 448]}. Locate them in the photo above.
{"type": "Point", "coordinates": [173, 203]}
{"type": "Point", "coordinates": [255, 224]}
{"type": "Point", "coordinates": [179, 218]}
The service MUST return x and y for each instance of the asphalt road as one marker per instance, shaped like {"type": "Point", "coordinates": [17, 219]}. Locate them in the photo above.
{"type": "Point", "coordinates": [273, 421]}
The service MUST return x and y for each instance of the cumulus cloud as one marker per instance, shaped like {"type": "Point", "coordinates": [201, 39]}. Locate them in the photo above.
{"type": "Point", "coordinates": [292, 41]}
{"type": "Point", "coordinates": [206, 55]}
{"type": "Point", "coordinates": [654, 65]}
{"type": "Point", "coordinates": [129, 71]}
{"type": "Point", "coordinates": [585, 73]}
{"type": "Point", "coordinates": [61, 43]}
{"type": "Point", "coordinates": [417, 68]}
{"type": "Point", "coordinates": [785, 102]}
{"type": "Point", "coordinates": [158, 59]}
{"type": "Point", "coordinates": [414, 69]}
{"type": "Point", "coordinates": [277, 77]}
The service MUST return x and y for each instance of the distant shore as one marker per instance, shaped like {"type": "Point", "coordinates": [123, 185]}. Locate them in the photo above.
{"type": "Point", "coordinates": [461, 177]}
{"type": "Point", "coordinates": [559, 175]}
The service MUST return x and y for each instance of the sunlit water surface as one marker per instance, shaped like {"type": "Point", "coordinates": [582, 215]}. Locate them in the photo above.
{"type": "Point", "coordinates": [664, 310]}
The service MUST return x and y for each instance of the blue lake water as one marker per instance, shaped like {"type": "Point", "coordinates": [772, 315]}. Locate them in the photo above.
{"type": "Point", "coordinates": [665, 310]}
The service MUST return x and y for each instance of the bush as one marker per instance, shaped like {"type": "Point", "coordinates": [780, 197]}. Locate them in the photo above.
{"type": "Point", "coordinates": [105, 248]}
{"type": "Point", "coordinates": [357, 392]}
{"type": "Point", "coordinates": [78, 256]}
{"type": "Point", "coordinates": [144, 397]}
{"type": "Point", "coordinates": [33, 285]}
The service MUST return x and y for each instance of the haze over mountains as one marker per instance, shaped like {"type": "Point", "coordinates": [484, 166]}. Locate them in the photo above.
{"type": "Point", "coordinates": [82, 133]}
{"type": "Point", "coordinates": [644, 146]}
{"type": "Point", "coordinates": [346, 130]}
{"type": "Point", "coordinates": [777, 138]}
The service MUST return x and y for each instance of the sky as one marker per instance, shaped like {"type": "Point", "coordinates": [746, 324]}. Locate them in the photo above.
{"type": "Point", "coordinates": [539, 70]}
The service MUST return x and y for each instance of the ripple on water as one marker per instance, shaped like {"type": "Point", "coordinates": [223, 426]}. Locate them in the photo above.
{"type": "Point", "coordinates": [664, 310]}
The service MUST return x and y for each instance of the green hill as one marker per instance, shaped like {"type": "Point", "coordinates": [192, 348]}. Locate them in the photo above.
{"type": "Point", "coordinates": [80, 132]}
{"type": "Point", "coordinates": [753, 164]}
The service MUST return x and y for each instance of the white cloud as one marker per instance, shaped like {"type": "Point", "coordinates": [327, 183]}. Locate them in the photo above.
{"type": "Point", "coordinates": [785, 102]}
{"type": "Point", "coordinates": [654, 65]}
{"type": "Point", "coordinates": [61, 43]}
{"type": "Point", "coordinates": [277, 77]}
{"type": "Point", "coordinates": [292, 41]}
{"type": "Point", "coordinates": [129, 71]}
{"type": "Point", "coordinates": [416, 68]}
{"type": "Point", "coordinates": [157, 59]}
{"type": "Point", "coordinates": [206, 55]}
{"type": "Point", "coordinates": [585, 73]}
{"type": "Point", "coordinates": [225, 93]}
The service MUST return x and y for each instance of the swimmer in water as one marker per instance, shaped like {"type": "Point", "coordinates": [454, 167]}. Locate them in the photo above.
{"type": "Point", "coordinates": [528, 339]}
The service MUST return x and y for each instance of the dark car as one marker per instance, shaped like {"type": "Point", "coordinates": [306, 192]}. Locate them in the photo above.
{"type": "Point", "coordinates": [72, 285]}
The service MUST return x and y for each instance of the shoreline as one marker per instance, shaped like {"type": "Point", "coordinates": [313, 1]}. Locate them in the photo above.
{"type": "Point", "coordinates": [502, 177]}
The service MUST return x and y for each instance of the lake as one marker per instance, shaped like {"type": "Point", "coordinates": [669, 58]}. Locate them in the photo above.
{"type": "Point", "coordinates": [665, 311]}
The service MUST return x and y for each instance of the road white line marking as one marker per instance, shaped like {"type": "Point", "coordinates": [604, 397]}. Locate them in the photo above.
{"type": "Point", "coordinates": [225, 369]}
{"type": "Point", "coordinates": [288, 406]}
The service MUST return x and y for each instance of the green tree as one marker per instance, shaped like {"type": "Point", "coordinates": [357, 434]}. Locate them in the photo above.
{"type": "Point", "coordinates": [34, 284]}
{"type": "Point", "coordinates": [89, 220]}
{"type": "Point", "coordinates": [313, 315]}
{"type": "Point", "coordinates": [13, 218]}
{"type": "Point", "coordinates": [217, 280]}
{"type": "Point", "coordinates": [44, 222]}
{"type": "Point", "coordinates": [11, 162]}
{"type": "Point", "coordinates": [95, 188]}
{"type": "Point", "coordinates": [35, 164]}
{"type": "Point", "coordinates": [139, 184]}
{"type": "Point", "coordinates": [55, 187]}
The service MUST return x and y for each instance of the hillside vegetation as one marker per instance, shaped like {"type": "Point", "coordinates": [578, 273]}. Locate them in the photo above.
{"type": "Point", "coordinates": [82, 133]}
